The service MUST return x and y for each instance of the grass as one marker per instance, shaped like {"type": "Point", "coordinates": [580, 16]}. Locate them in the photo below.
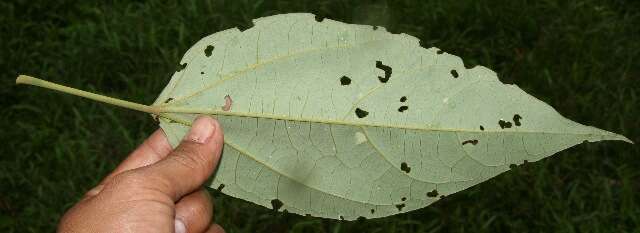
{"type": "Point", "coordinates": [580, 56]}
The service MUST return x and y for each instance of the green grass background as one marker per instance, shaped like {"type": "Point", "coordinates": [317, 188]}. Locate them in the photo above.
{"type": "Point", "coordinates": [580, 56]}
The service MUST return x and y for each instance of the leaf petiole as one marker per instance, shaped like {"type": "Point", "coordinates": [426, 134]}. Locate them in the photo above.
{"type": "Point", "coordinates": [25, 79]}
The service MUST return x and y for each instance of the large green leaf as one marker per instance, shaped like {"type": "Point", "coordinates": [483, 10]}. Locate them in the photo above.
{"type": "Point", "coordinates": [340, 121]}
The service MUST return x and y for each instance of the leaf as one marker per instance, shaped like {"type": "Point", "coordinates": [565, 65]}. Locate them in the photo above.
{"type": "Point", "coordinates": [340, 121]}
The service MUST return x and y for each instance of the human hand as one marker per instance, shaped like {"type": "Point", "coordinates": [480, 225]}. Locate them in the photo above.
{"type": "Point", "coordinates": [155, 189]}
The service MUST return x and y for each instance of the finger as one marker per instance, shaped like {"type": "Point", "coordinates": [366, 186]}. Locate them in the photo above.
{"type": "Point", "coordinates": [215, 228]}
{"type": "Point", "coordinates": [195, 211]}
{"type": "Point", "coordinates": [191, 163]}
{"type": "Point", "coordinates": [152, 150]}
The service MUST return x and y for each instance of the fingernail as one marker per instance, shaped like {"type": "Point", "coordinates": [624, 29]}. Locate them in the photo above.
{"type": "Point", "coordinates": [179, 226]}
{"type": "Point", "coordinates": [201, 130]}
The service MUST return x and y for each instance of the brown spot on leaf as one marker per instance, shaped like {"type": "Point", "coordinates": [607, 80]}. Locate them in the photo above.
{"type": "Point", "coordinates": [227, 103]}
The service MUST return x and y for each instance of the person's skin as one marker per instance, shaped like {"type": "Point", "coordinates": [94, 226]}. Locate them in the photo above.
{"type": "Point", "coordinates": [156, 188]}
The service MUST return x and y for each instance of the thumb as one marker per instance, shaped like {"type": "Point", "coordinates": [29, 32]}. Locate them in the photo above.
{"type": "Point", "coordinates": [191, 163]}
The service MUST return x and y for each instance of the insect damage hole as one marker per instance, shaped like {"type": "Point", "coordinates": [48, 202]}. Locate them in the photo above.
{"type": "Point", "coordinates": [516, 120]}
{"type": "Point", "coordinates": [454, 73]}
{"type": "Point", "coordinates": [403, 108]}
{"type": "Point", "coordinates": [344, 80]}
{"type": "Point", "coordinates": [504, 124]}
{"type": "Point", "coordinates": [181, 67]}
{"type": "Point", "coordinates": [433, 193]}
{"type": "Point", "coordinates": [404, 167]}
{"type": "Point", "coordinates": [220, 187]}
{"type": "Point", "coordinates": [208, 50]}
{"type": "Point", "coordinates": [361, 113]}
{"type": "Point", "coordinates": [387, 71]}
{"type": "Point", "coordinates": [472, 142]}
{"type": "Point", "coordinates": [276, 204]}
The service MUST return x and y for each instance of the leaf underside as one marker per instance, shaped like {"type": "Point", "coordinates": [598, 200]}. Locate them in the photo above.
{"type": "Point", "coordinates": [344, 121]}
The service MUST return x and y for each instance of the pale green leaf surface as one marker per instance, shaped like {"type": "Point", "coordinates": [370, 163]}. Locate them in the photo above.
{"type": "Point", "coordinates": [293, 134]}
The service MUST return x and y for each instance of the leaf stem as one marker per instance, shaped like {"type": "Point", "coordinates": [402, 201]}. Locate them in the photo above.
{"type": "Point", "coordinates": [24, 79]}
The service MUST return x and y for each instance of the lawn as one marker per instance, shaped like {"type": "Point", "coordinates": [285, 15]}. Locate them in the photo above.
{"type": "Point", "coordinates": [580, 56]}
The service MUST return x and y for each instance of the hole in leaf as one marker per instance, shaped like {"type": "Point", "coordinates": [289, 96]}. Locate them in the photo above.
{"type": "Point", "coordinates": [245, 26]}
{"type": "Point", "coordinates": [433, 193]}
{"type": "Point", "coordinates": [220, 187]}
{"type": "Point", "coordinates": [181, 67]}
{"type": "Point", "coordinates": [482, 128]}
{"type": "Point", "coordinates": [404, 167]}
{"type": "Point", "coordinates": [168, 100]}
{"type": "Point", "coordinates": [454, 73]}
{"type": "Point", "coordinates": [361, 113]}
{"type": "Point", "coordinates": [400, 206]}
{"type": "Point", "coordinates": [403, 198]}
{"type": "Point", "coordinates": [344, 80]}
{"type": "Point", "coordinates": [513, 166]}
{"type": "Point", "coordinates": [504, 124]}
{"type": "Point", "coordinates": [516, 119]}
{"type": "Point", "coordinates": [439, 51]}
{"type": "Point", "coordinates": [373, 211]}
{"type": "Point", "coordinates": [403, 108]}
{"type": "Point", "coordinates": [387, 71]}
{"type": "Point", "coordinates": [276, 204]}
{"type": "Point", "coordinates": [403, 99]}
{"type": "Point", "coordinates": [208, 50]}
{"type": "Point", "coordinates": [473, 142]}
